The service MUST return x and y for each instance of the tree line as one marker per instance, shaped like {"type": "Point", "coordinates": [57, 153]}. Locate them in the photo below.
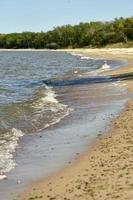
{"type": "Point", "coordinates": [92, 34]}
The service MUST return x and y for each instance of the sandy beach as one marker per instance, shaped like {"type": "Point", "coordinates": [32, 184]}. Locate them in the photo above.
{"type": "Point", "coordinates": [106, 171]}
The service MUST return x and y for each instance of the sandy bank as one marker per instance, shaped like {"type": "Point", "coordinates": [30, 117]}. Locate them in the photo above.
{"type": "Point", "coordinates": [105, 172]}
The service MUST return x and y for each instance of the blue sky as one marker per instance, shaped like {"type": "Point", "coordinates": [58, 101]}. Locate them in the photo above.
{"type": "Point", "coordinates": [43, 15]}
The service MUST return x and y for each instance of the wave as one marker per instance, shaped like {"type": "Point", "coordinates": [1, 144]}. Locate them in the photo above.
{"type": "Point", "coordinates": [88, 58]}
{"type": "Point", "coordinates": [35, 115]}
{"type": "Point", "coordinates": [75, 54]}
{"type": "Point", "coordinates": [48, 109]}
{"type": "Point", "coordinates": [43, 111]}
{"type": "Point", "coordinates": [8, 144]}
{"type": "Point", "coordinates": [83, 57]}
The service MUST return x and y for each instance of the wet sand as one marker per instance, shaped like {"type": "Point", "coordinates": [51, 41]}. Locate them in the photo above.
{"type": "Point", "coordinates": [106, 171]}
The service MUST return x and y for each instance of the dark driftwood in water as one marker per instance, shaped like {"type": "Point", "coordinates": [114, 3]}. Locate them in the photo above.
{"type": "Point", "coordinates": [125, 76]}
{"type": "Point", "coordinates": [88, 80]}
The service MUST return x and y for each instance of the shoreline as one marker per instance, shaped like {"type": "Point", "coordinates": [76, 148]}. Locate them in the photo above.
{"type": "Point", "coordinates": [102, 172]}
{"type": "Point", "coordinates": [106, 172]}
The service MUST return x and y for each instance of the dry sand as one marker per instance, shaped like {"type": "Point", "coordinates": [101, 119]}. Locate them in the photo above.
{"type": "Point", "coordinates": [106, 171]}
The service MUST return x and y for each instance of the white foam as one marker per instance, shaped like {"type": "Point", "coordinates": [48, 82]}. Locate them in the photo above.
{"type": "Point", "coordinates": [9, 143]}
{"type": "Point", "coordinates": [86, 58]}
{"type": "Point", "coordinates": [17, 133]}
{"type": "Point", "coordinates": [75, 72]}
{"type": "Point", "coordinates": [75, 54]}
{"type": "Point", "coordinates": [83, 57]}
{"type": "Point", "coordinates": [50, 97]}
{"type": "Point", "coordinates": [105, 66]}
{"type": "Point", "coordinates": [49, 104]}
{"type": "Point", "coordinates": [3, 177]}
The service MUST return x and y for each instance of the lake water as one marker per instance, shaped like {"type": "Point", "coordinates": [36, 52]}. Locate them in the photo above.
{"type": "Point", "coordinates": [49, 111]}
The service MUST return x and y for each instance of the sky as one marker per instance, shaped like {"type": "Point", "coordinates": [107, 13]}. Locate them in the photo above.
{"type": "Point", "coordinates": [44, 15]}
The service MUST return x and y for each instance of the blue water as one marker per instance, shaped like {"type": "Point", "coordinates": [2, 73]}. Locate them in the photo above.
{"type": "Point", "coordinates": [49, 93]}
{"type": "Point", "coordinates": [22, 73]}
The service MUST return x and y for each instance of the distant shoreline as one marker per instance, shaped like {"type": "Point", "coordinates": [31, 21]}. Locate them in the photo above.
{"type": "Point", "coordinates": [79, 50]}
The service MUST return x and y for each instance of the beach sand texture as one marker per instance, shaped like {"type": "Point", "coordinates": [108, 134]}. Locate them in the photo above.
{"type": "Point", "coordinates": [106, 171]}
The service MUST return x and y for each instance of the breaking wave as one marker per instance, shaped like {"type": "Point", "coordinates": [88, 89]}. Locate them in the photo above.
{"type": "Point", "coordinates": [8, 145]}
{"type": "Point", "coordinates": [41, 112]}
